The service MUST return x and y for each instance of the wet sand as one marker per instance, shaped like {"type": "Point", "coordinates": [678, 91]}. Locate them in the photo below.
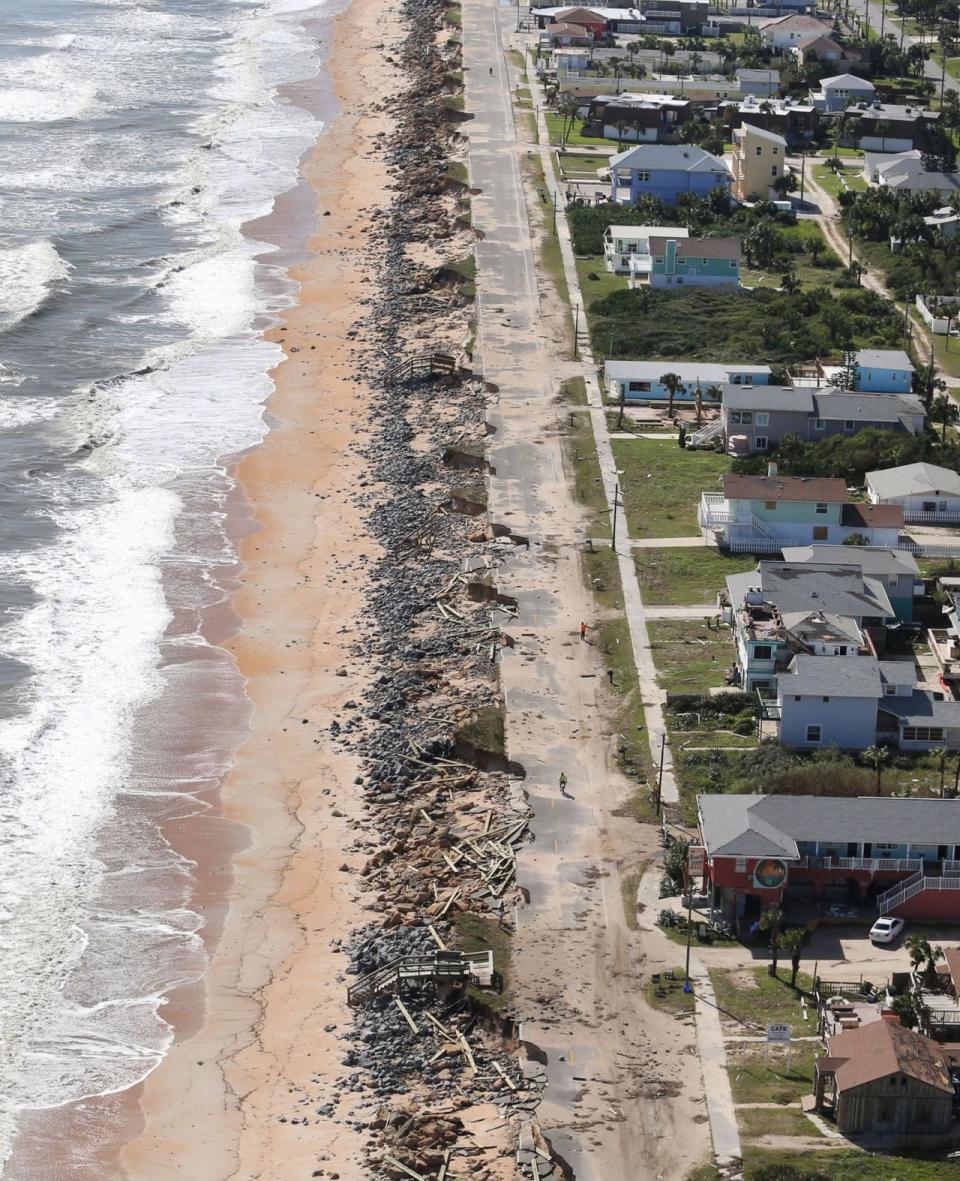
{"type": "Point", "coordinates": [253, 1051]}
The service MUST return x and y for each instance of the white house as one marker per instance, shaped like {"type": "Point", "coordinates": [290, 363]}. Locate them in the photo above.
{"type": "Point", "coordinates": [783, 32]}
{"type": "Point", "coordinates": [621, 243]}
{"type": "Point", "coordinates": [905, 173]}
{"type": "Point", "coordinates": [640, 380]}
{"type": "Point", "coordinates": [837, 93]}
{"type": "Point", "coordinates": [925, 492]}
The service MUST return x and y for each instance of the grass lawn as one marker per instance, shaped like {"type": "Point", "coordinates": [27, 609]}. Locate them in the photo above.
{"type": "Point", "coordinates": [845, 1166]}
{"type": "Point", "coordinates": [574, 391]}
{"type": "Point", "coordinates": [686, 577]}
{"type": "Point", "coordinates": [555, 125]}
{"type": "Point", "coordinates": [754, 1080]}
{"type": "Point", "coordinates": [774, 1121]}
{"type": "Point", "coordinates": [585, 468]}
{"type": "Point", "coordinates": [766, 998]}
{"type": "Point", "coordinates": [830, 180]}
{"type": "Point", "coordinates": [662, 485]}
{"type": "Point", "coordinates": [605, 282]}
{"type": "Point", "coordinates": [580, 166]}
{"type": "Point", "coordinates": [551, 261]}
{"type": "Point", "coordinates": [668, 995]}
{"type": "Point", "coordinates": [947, 359]}
{"type": "Point", "coordinates": [689, 657]}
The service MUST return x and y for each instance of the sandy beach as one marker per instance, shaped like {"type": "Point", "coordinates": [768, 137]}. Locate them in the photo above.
{"type": "Point", "coordinates": [228, 1099]}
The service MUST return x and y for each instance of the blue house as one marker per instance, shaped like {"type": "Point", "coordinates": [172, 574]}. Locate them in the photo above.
{"type": "Point", "coordinates": [884, 371]}
{"type": "Point", "coordinates": [665, 171]}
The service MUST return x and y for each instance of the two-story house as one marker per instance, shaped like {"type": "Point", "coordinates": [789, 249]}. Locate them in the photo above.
{"type": "Point", "coordinates": [783, 32]}
{"type": "Point", "coordinates": [836, 94]}
{"type": "Point", "coordinates": [796, 121]}
{"type": "Point", "coordinates": [639, 118]}
{"type": "Point", "coordinates": [641, 381]}
{"type": "Point", "coordinates": [905, 172]}
{"type": "Point", "coordinates": [759, 161]}
{"type": "Point", "coordinates": [896, 570]}
{"type": "Point", "coordinates": [757, 420]}
{"type": "Point", "coordinates": [690, 262]}
{"type": "Point", "coordinates": [762, 514]}
{"type": "Point", "coordinates": [665, 171]}
{"type": "Point", "coordinates": [771, 850]}
{"type": "Point", "coordinates": [887, 127]}
{"type": "Point", "coordinates": [927, 493]}
{"type": "Point", "coordinates": [621, 243]}
{"type": "Point", "coordinates": [783, 609]}
{"type": "Point", "coordinates": [875, 371]}
{"type": "Point", "coordinates": [764, 83]}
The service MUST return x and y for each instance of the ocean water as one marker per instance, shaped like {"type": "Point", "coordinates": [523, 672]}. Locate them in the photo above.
{"type": "Point", "coordinates": [136, 138]}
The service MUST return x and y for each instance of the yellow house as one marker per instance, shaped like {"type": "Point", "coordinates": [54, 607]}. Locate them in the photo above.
{"type": "Point", "coordinates": [759, 160]}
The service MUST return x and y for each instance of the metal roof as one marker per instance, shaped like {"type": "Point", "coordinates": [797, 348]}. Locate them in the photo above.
{"type": "Point", "coordinates": [870, 559]}
{"type": "Point", "coordinates": [884, 359]}
{"type": "Point", "coordinates": [768, 397]}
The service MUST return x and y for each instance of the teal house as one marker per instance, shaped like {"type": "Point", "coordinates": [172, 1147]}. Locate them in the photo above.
{"type": "Point", "coordinates": [687, 262]}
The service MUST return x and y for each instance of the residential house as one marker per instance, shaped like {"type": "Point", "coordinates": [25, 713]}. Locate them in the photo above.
{"type": "Point", "coordinates": [759, 161]}
{"type": "Point", "coordinates": [563, 34]}
{"type": "Point", "coordinates": [685, 261]}
{"type": "Point", "coordinates": [906, 173]}
{"type": "Point", "coordinates": [836, 94]}
{"type": "Point", "coordinates": [875, 371]}
{"type": "Point", "coordinates": [638, 117]}
{"type": "Point", "coordinates": [817, 47]}
{"type": "Point", "coordinates": [928, 494]}
{"type": "Point", "coordinates": [621, 243]}
{"type": "Point", "coordinates": [762, 514]}
{"type": "Point", "coordinates": [783, 32]}
{"type": "Point", "coordinates": [757, 420]}
{"type": "Point", "coordinates": [776, 850]}
{"type": "Point", "coordinates": [589, 20]}
{"type": "Point", "coordinates": [946, 221]}
{"type": "Point", "coordinates": [886, 127]}
{"type": "Point", "coordinates": [890, 1084]}
{"type": "Point", "coordinates": [944, 645]}
{"type": "Point", "coordinates": [796, 121]}
{"type": "Point", "coordinates": [639, 381]}
{"type": "Point", "coordinates": [896, 570]}
{"type": "Point", "coordinates": [940, 313]}
{"type": "Point", "coordinates": [683, 16]}
{"type": "Point", "coordinates": [760, 82]}
{"type": "Point", "coordinates": [665, 171]}
{"type": "Point", "coordinates": [784, 609]}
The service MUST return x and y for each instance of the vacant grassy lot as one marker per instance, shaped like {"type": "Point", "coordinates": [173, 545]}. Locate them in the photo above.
{"type": "Point", "coordinates": [587, 481]}
{"type": "Point", "coordinates": [668, 995]}
{"type": "Point", "coordinates": [827, 179]}
{"type": "Point", "coordinates": [662, 485]}
{"type": "Point", "coordinates": [556, 124]}
{"type": "Point", "coordinates": [581, 166]}
{"type": "Point", "coordinates": [772, 1121]}
{"type": "Point", "coordinates": [754, 1080]}
{"type": "Point", "coordinates": [596, 281]}
{"type": "Point", "coordinates": [844, 1166]}
{"type": "Point", "coordinates": [751, 996]}
{"type": "Point", "coordinates": [689, 657]}
{"type": "Point", "coordinates": [686, 577]}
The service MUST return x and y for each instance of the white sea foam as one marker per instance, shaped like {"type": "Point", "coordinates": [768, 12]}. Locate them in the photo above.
{"type": "Point", "coordinates": [27, 274]}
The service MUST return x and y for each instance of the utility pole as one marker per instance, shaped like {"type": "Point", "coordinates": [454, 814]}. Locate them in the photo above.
{"type": "Point", "coordinates": [803, 172]}
{"type": "Point", "coordinates": [616, 505]}
{"type": "Point", "coordinates": [663, 751]}
{"type": "Point", "coordinates": [576, 330]}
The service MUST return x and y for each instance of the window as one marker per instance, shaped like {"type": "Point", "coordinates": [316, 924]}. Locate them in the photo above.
{"type": "Point", "coordinates": [929, 506]}
{"type": "Point", "coordinates": [759, 149]}
{"type": "Point", "coordinates": [639, 387]}
{"type": "Point", "coordinates": [889, 690]}
{"type": "Point", "coordinates": [848, 424]}
{"type": "Point", "coordinates": [923, 733]}
{"type": "Point", "coordinates": [826, 699]}
{"type": "Point", "coordinates": [775, 151]}
{"type": "Point", "coordinates": [821, 508]}
{"type": "Point", "coordinates": [841, 650]}
{"type": "Point", "coordinates": [760, 443]}
{"type": "Point", "coordinates": [762, 651]}
{"type": "Point", "coordinates": [740, 864]}
{"type": "Point", "coordinates": [774, 171]}
{"type": "Point", "coordinates": [819, 424]}
{"type": "Point", "coordinates": [733, 263]}
{"type": "Point", "coordinates": [820, 533]}
{"type": "Point", "coordinates": [643, 178]}
{"type": "Point", "coordinates": [813, 733]}
{"type": "Point", "coordinates": [763, 418]}
{"type": "Point", "coordinates": [741, 417]}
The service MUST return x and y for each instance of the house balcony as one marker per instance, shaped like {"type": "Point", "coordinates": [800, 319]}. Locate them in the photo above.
{"type": "Point", "coordinates": [714, 511]}
{"type": "Point", "coordinates": [866, 864]}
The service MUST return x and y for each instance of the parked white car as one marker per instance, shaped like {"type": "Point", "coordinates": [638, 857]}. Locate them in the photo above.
{"type": "Point", "coordinates": [886, 930]}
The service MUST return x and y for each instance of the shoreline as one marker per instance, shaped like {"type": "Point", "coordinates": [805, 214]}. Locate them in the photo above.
{"type": "Point", "coordinates": [220, 1102]}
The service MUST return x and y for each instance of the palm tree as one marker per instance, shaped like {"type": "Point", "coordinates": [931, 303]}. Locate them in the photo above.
{"type": "Point", "coordinates": [875, 757]}
{"type": "Point", "coordinates": [789, 283]}
{"type": "Point", "coordinates": [673, 386]}
{"type": "Point", "coordinates": [944, 410]}
{"type": "Point", "coordinates": [621, 126]}
{"type": "Point", "coordinates": [920, 949]}
{"type": "Point", "coordinates": [792, 940]}
{"type": "Point", "coordinates": [772, 920]}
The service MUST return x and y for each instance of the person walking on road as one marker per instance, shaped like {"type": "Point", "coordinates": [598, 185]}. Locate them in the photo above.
{"type": "Point", "coordinates": [501, 908]}
{"type": "Point", "coordinates": [563, 785]}
{"type": "Point", "coordinates": [583, 631]}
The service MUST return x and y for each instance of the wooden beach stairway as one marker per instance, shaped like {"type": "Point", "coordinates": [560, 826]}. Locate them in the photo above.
{"type": "Point", "coordinates": [436, 967]}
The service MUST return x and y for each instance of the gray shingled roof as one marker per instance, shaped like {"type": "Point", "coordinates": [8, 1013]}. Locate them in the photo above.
{"type": "Point", "coordinates": [669, 157]}
{"type": "Point", "coordinates": [837, 589]}
{"type": "Point", "coordinates": [831, 676]}
{"type": "Point", "coordinates": [865, 407]}
{"type": "Point", "coordinates": [870, 559]}
{"type": "Point", "coordinates": [757, 825]}
{"type": "Point", "coordinates": [922, 709]}
{"type": "Point", "coordinates": [914, 479]}
{"type": "Point", "coordinates": [767, 397]}
{"type": "Point", "coordinates": [884, 359]}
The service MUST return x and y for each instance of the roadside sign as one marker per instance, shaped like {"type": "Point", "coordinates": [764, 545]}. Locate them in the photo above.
{"type": "Point", "coordinates": [778, 1033]}
{"type": "Point", "coordinates": [696, 855]}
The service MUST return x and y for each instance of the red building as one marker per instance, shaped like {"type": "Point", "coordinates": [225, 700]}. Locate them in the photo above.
{"type": "Point", "coordinates": [586, 18]}
{"type": "Point", "coordinates": [892, 856]}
